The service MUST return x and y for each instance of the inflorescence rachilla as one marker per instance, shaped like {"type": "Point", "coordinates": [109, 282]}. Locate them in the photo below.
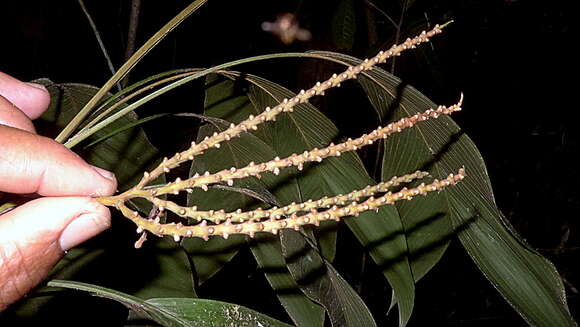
{"type": "Point", "coordinates": [294, 215]}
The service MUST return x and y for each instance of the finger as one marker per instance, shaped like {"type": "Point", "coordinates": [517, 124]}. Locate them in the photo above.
{"type": "Point", "coordinates": [12, 116]}
{"type": "Point", "coordinates": [32, 99]}
{"type": "Point", "coordinates": [34, 236]}
{"type": "Point", "coordinates": [31, 163]}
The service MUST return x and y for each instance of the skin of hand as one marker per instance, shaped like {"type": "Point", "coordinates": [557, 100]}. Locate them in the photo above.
{"type": "Point", "coordinates": [34, 236]}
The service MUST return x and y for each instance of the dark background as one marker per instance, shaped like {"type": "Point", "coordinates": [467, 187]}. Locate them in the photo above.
{"type": "Point", "coordinates": [512, 59]}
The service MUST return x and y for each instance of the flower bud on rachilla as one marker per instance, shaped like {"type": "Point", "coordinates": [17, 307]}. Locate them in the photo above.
{"type": "Point", "coordinates": [294, 215]}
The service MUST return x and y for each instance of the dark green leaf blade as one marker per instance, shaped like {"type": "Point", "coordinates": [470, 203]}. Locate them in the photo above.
{"type": "Point", "coordinates": [321, 282]}
{"type": "Point", "coordinates": [160, 268]}
{"type": "Point", "coordinates": [229, 101]}
{"type": "Point", "coordinates": [172, 275]}
{"type": "Point", "coordinates": [306, 128]}
{"type": "Point", "coordinates": [210, 313]}
{"type": "Point", "coordinates": [224, 100]}
{"type": "Point", "coordinates": [293, 134]}
{"type": "Point", "coordinates": [127, 154]}
{"type": "Point", "coordinates": [529, 282]}
{"type": "Point", "coordinates": [179, 312]}
{"type": "Point", "coordinates": [268, 253]}
{"type": "Point", "coordinates": [426, 220]}
{"type": "Point", "coordinates": [209, 257]}
{"type": "Point", "coordinates": [145, 310]}
{"type": "Point", "coordinates": [381, 232]}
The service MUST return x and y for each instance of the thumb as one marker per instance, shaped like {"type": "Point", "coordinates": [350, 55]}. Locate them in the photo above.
{"type": "Point", "coordinates": [34, 236]}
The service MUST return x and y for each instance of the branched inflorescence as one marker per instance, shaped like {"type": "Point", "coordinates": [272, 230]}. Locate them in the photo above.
{"type": "Point", "coordinates": [294, 215]}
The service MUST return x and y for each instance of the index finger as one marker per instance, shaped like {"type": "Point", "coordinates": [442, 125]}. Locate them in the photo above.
{"type": "Point", "coordinates": [31, 163]}
{"type": "Point", "coordinates": [31, 98]}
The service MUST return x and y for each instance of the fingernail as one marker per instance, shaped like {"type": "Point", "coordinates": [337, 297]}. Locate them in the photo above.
{"type": "Point", "coordinates": [83, 228]}
{"type": "Point", "coordinates": [105, 173]}
{"type": "Point", "coordinates": [37, 86]}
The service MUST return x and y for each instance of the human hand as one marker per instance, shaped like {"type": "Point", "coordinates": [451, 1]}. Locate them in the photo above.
{"type": "Point", "coordinates": [34, 236]}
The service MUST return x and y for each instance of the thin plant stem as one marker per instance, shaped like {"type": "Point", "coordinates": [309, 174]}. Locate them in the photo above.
{"type": "Point", "coordinates": [99, 40]}
{"type": "Point", "coordinates": [131, 34]}
{"type": "Point", "coordinates": [137, 56]}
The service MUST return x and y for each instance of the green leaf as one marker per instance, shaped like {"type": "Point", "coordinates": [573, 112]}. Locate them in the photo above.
{"type": "Point", "coordinates": [224, 100]}
{"type": "Point", "coordinates": [381, 232]}
{"type": "Point", "coordinates": [195, 74]}
{"type": "Point", "coordinates": [227, 99]}
{"type": "Point", "coordinates": [125, 127]}
{"type": "Point", "coordinates": [127, 153]}
{"type": "Point", "coordinates": [210, 313]}
{"type": "Point", "coordinates": [426, 219]}
{"type": "Point", "coordinates": [167, 270]}
{"type": "Point", "coordinates": [322, 283]}
{"type": "Point", "coordinates": [268, 254]}
{"type": "Point", "coordinates": [179, 312]}
{"type": "Point", "coordinates": [528, 281]}
{"type": "Point", "coordinates": [209, 257]}
{"type": "Point", "coordinates": [136, 304]}
{"type": "Point", "coordinates": [159, 268]}
{"type": "Point", "coordinates": [307, 128]}
{"type": "Point", "coordinates": [287, 136]}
